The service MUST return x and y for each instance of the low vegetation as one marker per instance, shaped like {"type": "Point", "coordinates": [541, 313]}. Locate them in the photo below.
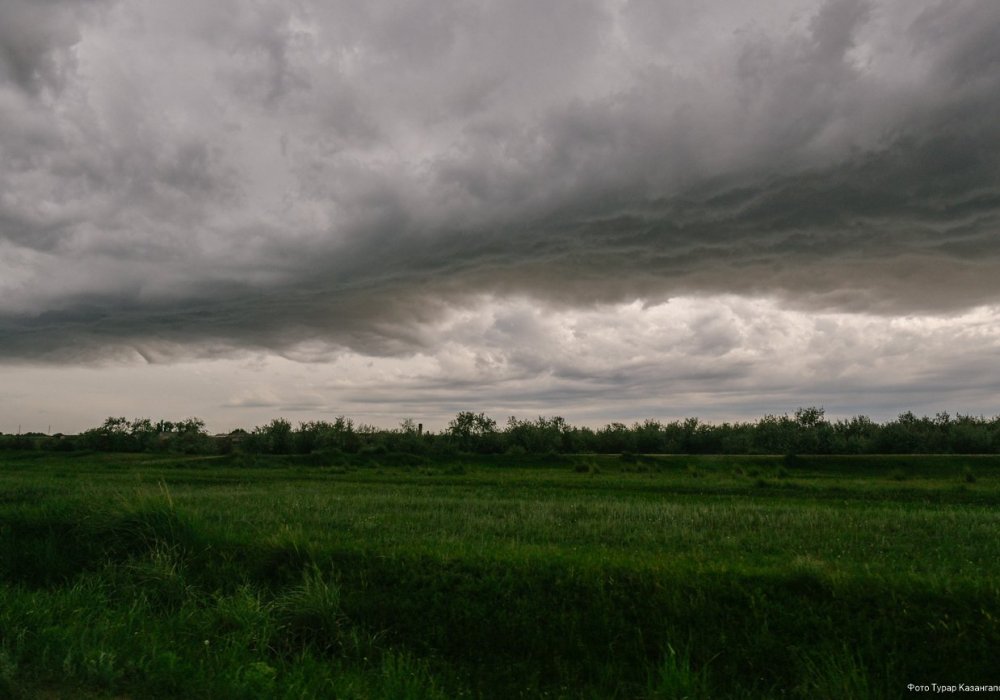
{"type": "Point", "coordinates": [603, 576]}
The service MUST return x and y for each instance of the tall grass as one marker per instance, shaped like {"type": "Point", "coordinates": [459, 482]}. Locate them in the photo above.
{"type": "Point", "coordinates": [171, 579]}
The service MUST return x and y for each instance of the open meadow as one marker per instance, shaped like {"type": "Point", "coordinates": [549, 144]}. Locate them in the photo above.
{"type": "Point", "coordinates": [136, 576]}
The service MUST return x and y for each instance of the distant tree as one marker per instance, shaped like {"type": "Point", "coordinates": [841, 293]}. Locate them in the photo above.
{"type": "Point", "coordinates": [144, 434]}
{"type": "Point", "coordinates": [775, 435]}
{"type": "Point", "coordinates": [275, 437]}
{"type": "Point", "coordinates": [190, 437]}
{"type": "Point", "coordinates": [539, 436]}
{"type": "Point", "coordinates": [806, 431]}
{"type": "Point", "coordinates": [473, 432]}
{"type": "Point", "coordinates": [338, 435]}
{"type": "Point", "coordinates": [408, 438]}
{"type": "Point", "coordinates": [809, 417]}
{"type": "Point", "coordinates": [649, 436]}
{"type": "Point", "coordinates": [111, 436]}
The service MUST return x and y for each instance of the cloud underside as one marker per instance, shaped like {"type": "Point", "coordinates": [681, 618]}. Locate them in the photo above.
{"type": "Point", "coordinates": [179, 180]}
{"type": "Point", "coordinates": [723, 358]}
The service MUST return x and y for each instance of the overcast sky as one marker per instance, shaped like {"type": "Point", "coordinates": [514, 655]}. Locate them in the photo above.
{"type": "Point", "coordinates": [601, 209]}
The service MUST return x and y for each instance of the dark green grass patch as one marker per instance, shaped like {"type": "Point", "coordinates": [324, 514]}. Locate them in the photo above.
{"type": "Point", "coordinates": [176, 579]}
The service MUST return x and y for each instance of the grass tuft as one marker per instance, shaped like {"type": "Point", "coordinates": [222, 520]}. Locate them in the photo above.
{"type": "Point", "coordinates": [834, 674]}
{"type": "Point", "coordinates": [674, 679]}
{"type": "Point", "coordinates": [310, 615]}
{"type": "Point", "coordinates": [402, 677]}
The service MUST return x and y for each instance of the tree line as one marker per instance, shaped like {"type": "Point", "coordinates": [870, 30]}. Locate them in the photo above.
{"type": "Point", "coordinates": [807, 431]}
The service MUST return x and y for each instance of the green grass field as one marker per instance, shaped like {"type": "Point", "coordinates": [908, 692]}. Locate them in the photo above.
{"type": "Point", "coordinates": [137, 576]}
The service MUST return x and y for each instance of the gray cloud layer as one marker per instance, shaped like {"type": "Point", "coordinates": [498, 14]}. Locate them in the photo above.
{"type": "Point", "coordinates": [187, 178]}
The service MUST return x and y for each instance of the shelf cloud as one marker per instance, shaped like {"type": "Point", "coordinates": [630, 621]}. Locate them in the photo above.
{"type": "Point", "coordinates": [186, 180]}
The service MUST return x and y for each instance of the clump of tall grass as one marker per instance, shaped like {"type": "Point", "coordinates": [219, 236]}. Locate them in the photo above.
{"type": "Point", "coordinates": [832, 674]}
{"type": "Point", "coordinates": [310, 614]}
{"type": "Point", "coordinates": [161, 577]}
{"type": "Point", "coordinates": [258, 677]}
{"type": "Point", "coordinates": [146, 522]}
{"type": "Point", "coordinates": [674, 679]}
{"type": "Point", "coordinates": [282, 558]}
{"type": "Point", "coordinates": [404, 677]}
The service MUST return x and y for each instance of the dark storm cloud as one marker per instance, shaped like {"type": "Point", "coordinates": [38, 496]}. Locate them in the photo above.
{"type": "Point", "coordinates": [35, 38]}
{"type": "Point", "coordinates": [189, 178]}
